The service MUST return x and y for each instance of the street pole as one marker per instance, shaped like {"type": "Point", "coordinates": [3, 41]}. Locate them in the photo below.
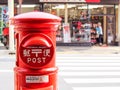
{"type": "Point", "coordinates": [66, 13]}
{"type": "Point", "coordinates": [11, 29]}
{"type": "Point", "coordinates": [104, 26]}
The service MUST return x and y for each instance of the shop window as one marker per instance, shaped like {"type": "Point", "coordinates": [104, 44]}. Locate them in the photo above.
{"type": "Point", "coordinates": [99, 9]}
{"type": "Point", "coordinates": [81, 20]}
{"type": "Point", "coordinates": [110, 10]}
{"type": "Point", "coordinates": [95, 9]}
{"type": "Point", "coordinates": [80, 30]}
{"type": "Point", "coordinates": [110, 29]}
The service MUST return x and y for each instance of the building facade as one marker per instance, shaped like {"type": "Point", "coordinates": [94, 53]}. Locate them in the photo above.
{"type": "Point", "coordinates": [79, 19]}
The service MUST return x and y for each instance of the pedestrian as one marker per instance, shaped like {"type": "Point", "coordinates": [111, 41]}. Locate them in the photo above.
{"type": "Point", "coordinates": [6, 35]}
{"type": "Point", "coordinates": [99, 33]}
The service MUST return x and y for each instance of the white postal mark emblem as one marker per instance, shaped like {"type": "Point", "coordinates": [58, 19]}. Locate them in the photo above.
{"type": "Point", "coordinates": [36, 55]}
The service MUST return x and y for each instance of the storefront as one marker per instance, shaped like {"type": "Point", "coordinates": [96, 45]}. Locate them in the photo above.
{"type": "Point", "coordinates": [80, 18]}
{"type": "Point", "coordinates": [3, 17]}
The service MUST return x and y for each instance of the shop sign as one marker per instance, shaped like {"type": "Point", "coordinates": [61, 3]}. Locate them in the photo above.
{"type": "Point", "coordinates": [92, 1]}
{"type": "Point", "coordinates": [69, 0]}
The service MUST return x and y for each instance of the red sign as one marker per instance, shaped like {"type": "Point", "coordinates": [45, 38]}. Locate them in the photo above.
{"type": "Point", "coordinates": [92, 1]}
{"type": "Point", "coordinates": [70, 1]}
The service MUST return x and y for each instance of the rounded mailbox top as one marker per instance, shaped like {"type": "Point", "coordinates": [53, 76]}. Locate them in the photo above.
{"type": "Point", "coordinates": [37, 16]}
{"type": "Point", "coordinates": [35, 20]}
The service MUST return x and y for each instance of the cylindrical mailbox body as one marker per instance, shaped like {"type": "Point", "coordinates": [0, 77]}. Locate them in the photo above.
{"type": "Point", "coordinates": [36, 45]}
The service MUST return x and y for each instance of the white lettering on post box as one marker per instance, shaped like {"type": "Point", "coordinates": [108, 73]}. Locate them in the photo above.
{"type": "Point", "coordinates": [26, 52]}
{"type": "Point", "coordinates": [35, 60]}
{"type": "Point", "coordinates": [46, 52]}
{"type": "Point", "coordinates": [36, 51]}
{"type": "Point", "coordinates": [37, 56]}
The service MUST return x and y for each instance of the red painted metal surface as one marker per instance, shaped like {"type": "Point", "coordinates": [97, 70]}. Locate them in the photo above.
{"type": "Point", "coordinates": [36, 42]}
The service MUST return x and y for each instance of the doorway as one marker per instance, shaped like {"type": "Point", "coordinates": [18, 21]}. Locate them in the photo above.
{"type": "Point", "coordinates": [111, 29]}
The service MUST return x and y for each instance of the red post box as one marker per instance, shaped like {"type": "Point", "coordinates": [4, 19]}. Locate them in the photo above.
{"type": "Point", "coordinates": [36, 45]}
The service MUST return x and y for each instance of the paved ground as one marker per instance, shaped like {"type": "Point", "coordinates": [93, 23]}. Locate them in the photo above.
{"type": "Point", "coordinates": [76, 71]}
{"type": "Point", "coordinates": [80, 68]}
{"type": "Point", "coordinates": [96, 72]}
{"type": "Point", "coordinates": [80, 50]}
{"type": "Point", "coordinates": [89, 50]}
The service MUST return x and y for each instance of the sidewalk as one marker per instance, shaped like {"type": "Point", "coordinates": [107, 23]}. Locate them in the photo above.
{"type": "Point", "coordinates": [76, 50]}
{"type": "Point", "coordinates": [89, 50]}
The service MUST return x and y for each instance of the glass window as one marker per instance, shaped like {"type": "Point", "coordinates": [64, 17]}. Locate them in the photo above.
{"type": "Point", "coordinates": [100, 9]}
{"type": "Point", "coordinates": [110, 10]}
{"type": "Point", "coordinates": [82, 19]}
{"type": "Point", "coordinates": [96, 9]}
